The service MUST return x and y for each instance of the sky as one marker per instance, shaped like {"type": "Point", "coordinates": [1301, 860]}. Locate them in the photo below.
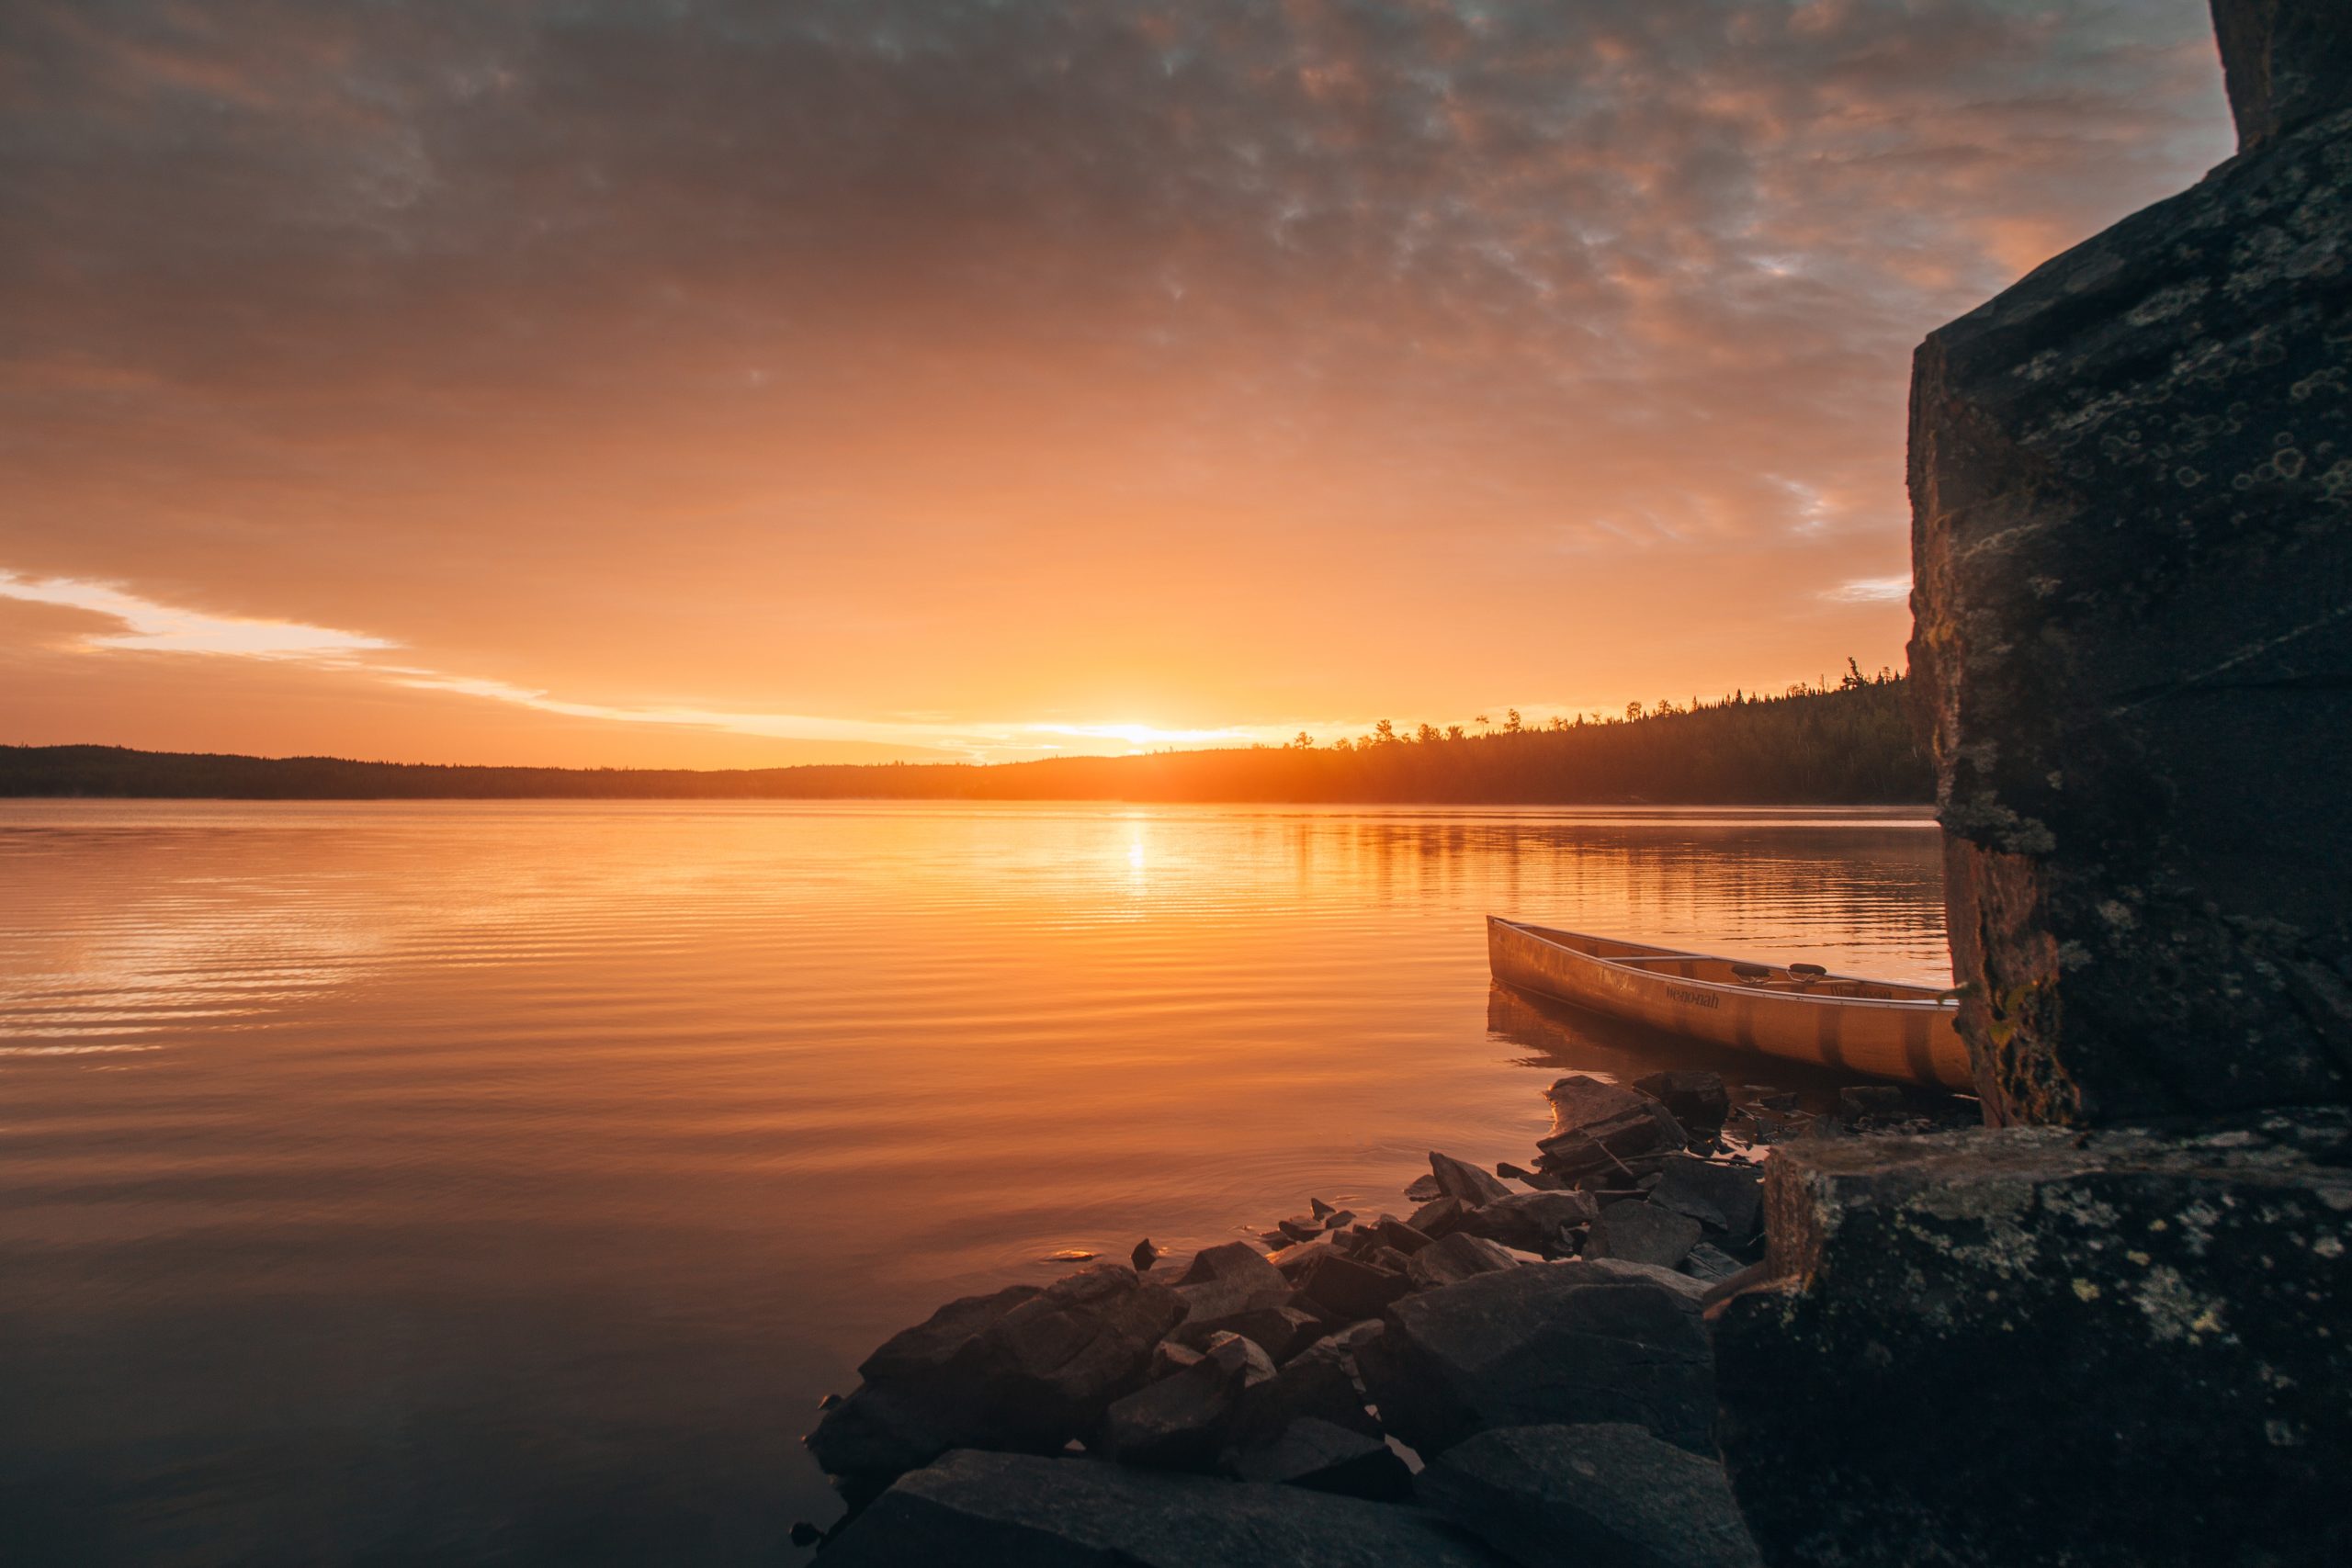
{"type": "Point", "coordinates": [572, 381]}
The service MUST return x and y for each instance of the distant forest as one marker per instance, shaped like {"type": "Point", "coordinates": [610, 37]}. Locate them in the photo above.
{"type": "Point", "coordinates": [1844, 745]}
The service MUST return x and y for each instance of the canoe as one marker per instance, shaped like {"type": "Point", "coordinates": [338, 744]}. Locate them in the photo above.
{"type": "Point", "coordinates": [1799, 1011]}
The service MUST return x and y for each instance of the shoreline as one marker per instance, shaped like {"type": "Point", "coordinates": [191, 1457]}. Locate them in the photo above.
{"type": "Point", "coordinates": [1339, 1353]}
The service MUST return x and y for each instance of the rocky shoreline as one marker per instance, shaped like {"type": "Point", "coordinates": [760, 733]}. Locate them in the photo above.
{"type": "Point", "coordinates": [1515, 1367]}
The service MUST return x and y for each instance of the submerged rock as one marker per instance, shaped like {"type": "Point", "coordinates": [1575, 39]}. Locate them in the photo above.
{"type": "Point", "coordinates": [1544, 1344]}
{"type": "Point", "coordinates": [1579, 1496]}
{"type": "Point", "coordinates": [986, 1510]}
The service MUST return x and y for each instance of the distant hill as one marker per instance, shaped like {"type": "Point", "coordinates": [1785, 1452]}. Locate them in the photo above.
{"type": "Point", "coordinates": [1847, 746]}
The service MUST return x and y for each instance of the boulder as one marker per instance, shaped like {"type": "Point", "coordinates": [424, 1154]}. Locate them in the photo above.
{"type": "Point", "coordinates": [1301, 1228]}
{"type": "Point", "coordinates": [1699, 1099]}
{"type": "Point", "coordinates": [1281, 1331]}
{"type": "Point", "coordinates": [881, 1431]}
{"type": "Point", "coordinates": [1322, 1457]}
{"type": "Point", "coordinates": [988, 1510]}
{"type": "Point", "coordinates": [2132, 527]}
{"type": "Point", "coordinates": [1424, 1189]}
{"type": "Point", "coordinates": [1708, 1263]}
{"type": "Point", "coordinates": [1579, 1100]}
{"type": "Point", "coordinates": [1226, 1285]}
{"type": "Point", "coordinates": [1290, 1260]}
{"type": "Point", "coordinates": [1317, 1383]}
{"type": "Point", "coordinates": [1643, 1232]}
{"type": "Point", "coordinates": [1390, 1231]}
{"type": "Point", "coordinates": [931, 1344]}
{"type": "Point", "coordinates": [1437, 1216]}
{"type": "Point", "coordinates": [1726, 1199]}
{"type": "Point", "coordinates": [1030, 1374]}
{"type": "Point", "coordinates": [1457, 1179]}
{"type": "Point", "coordinates": [1338, 1219]}
{"type": "Point", "coordinates": [1455, 1256]}
{"type": "Point", "coordinates": [1969, 1315]}
{"type": "Point", "coordinates": [1532, 1221]}
{"type": "Point", "coordinates": [1607, 1494]}
{"type": "Point", "coordinates": [1351, 1288]}
{"type": "Point", "coordinates": [1601, 1129]}
{"type": "Point", "coordinates": [1544, 1344]}
{"type": "Point", "coordinates": [1228, 1260]}
{"type": "Point", "coordinates": [1182, 1422]}
{"type": "Point", "coordinates": [1169, 1356]}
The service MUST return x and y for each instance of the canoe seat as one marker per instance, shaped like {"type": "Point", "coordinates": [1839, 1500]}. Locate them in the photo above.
{"type": "Point", "coordinates": [1750, 974]}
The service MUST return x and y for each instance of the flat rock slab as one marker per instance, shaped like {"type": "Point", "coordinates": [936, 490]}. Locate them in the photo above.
{"type": "Point", "coordinates": [1643, 1232]}
{"type": "Point", "coordinates": [1603, 1495]}
{"type": "Point", "coordinates": [1546, 1344]}
{"type": "Point", "coordinates": [986, 1510]}
{"type": "Point", "coordinates": [2030, 1346]}
{"type": "Point", "coordinates": [1727, 1199]}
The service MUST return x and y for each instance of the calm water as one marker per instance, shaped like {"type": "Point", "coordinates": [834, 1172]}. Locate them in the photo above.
{"type": "Point", "coordinates": [505, 1182]}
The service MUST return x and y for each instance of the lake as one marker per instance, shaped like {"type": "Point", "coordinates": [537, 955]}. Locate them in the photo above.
{"type": "Point", "coordinates": [505, 1182]}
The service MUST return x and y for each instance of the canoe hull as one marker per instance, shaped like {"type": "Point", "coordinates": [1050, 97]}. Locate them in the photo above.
{"type": "Point", "coordinates": [1907, 1033]}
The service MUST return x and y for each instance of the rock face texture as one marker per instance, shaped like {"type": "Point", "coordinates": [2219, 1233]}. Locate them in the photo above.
{"type": "Point", "coordinates": [988, 1510]}
{"type": "Point", "coordinates": [1022, 1368]}
{"type": "Point", "coordinates": [2028, 1346]}
{"type": "Point", "coordinates": [1582, 1496]}
{"type": "Point", "coordinates": [2131, 491]}
{"type": "Point", "coordinates": [1549, 1343]}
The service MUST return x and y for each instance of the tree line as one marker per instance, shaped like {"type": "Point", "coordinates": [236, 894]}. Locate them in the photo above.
{"type": "Point", "coordinates": [1846, 744]}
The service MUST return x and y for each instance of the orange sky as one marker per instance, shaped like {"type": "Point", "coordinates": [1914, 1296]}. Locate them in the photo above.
{"type": "Point", "coordinates": [732, 385]}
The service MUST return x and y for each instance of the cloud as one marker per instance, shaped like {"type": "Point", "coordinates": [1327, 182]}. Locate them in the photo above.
{"type": "Point", "coordinates": [1206, 362]}
{"type": "Point", "coordinates": [162, 629]}
{"type": "Point", "coordinates": [1871, 590]}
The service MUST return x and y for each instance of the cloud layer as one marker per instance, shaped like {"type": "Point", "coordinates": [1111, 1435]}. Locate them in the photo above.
{"type": "Point", "coordinates": [919, 366]}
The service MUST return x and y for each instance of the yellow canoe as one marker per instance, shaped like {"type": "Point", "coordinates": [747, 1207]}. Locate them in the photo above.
{"type": "Point", "coordinates": [1801, 1012]}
